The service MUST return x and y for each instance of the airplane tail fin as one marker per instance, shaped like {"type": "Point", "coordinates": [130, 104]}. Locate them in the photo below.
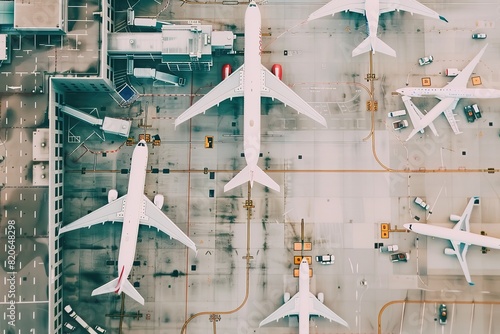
{"type": "Point", "coordinates": [416, 117]}
{"type": "Point", "coordinates": [373, 43]}
{"type": "Point", "coordinates": [112, 287]}
{"type": "Point", "coordinates": [257, 175]}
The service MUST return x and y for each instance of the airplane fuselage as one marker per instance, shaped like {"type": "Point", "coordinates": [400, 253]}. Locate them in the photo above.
{"type": "Point", "coordinates": [457, 93]}
{"type": "Point", "coordinates": [372, 12]}
{"type": "Point", "coordinates": [252, 86]}
{"type": "Point", "coordinates": [456, 235]}
{"type": "Point", "coordinates": [132, 212]}
{"type": "Point", "coordinates": [304, 298]}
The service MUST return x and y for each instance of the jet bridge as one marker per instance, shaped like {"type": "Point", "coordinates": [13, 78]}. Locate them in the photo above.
{"type": "Point", "coordinates": [87, 118]}
{"type": "Point", "coordinates": [151, 73]}
{"type": "Point", "coordinates": [109, 125]}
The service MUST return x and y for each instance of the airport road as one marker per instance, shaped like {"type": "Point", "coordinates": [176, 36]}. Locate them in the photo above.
{"type": "Point", "coordinates": [422, 316]}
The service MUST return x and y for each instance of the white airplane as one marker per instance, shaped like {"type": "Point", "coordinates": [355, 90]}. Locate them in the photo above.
{"type": "Point", "coordinates": [449, 96]}
{"type": "Point", "coordinates": [304, 304]}
{"type": "Point", "coordinates": [132, 209]}
{"type": "Point", "coordinates": [251, 81]}
{"type": "Point", "coordinates": [372, 10]}
{"type": "Point", "coordinates": [460, 236]}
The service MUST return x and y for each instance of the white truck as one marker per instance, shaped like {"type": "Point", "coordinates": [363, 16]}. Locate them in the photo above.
{"type": "Point", "coordinates": [452, 72]}
{"type": "Point", "coordinates": [420, 202]}
{"type": "Point", "coordinates": [389, 249]}
{"type": "Point", "coordinates": [400, 257]}
{"type": "Point", "coordinates": [325, 259]}
{"type": "Point", "coordinates": [397, 113]}
{"type": "Point", "coordinates": [80, 321]}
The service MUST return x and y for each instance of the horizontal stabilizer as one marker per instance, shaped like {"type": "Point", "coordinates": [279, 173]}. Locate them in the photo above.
{"type": "Point", "coordinates": [373, 43]}
{"type": "Point", "coordinates": [257, 175]}
{"type": "Point", "coordinates": [106, 288]}
{"type": "Point", "coordinates": [112, 287]}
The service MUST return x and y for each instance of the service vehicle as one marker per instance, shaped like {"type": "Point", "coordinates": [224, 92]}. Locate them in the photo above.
{"type": "Point", "coordinates": [100, 329]}
{"type": "Point", "coordinates": [389, 249]}
{"type": "Point", "coordinates": [69, 326]}
{"type": "Point", "coordinates": [325, 259]}
{"type": "Point", "coordinates": [469, 114]}
{"type": "Point", "coordinates": [452, 72]}
{"type": "Point", "coordinates": [420, 202]}
{"type": "Point", "coordinates": [476, 110]}
{"type": "Point", "coordinates": [425, 60]}
{"type": "Point", "coordinates": [443, 314]}
{"type": "Point", "coordinates": [398, 125]}
{"type": "Point", "coordinates": [479, 36]}
{"type": "Point", "coordinates": [400, 257]}
{"type": "Point", "coordinates": [397, 113]}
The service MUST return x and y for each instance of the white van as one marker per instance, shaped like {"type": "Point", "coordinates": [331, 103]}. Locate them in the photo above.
{"type": "Point", "coordinates": [452, 72]}
{"type": "Point", "coordinates": [100, 329]}
{"type": "Point", "coordinates": [477, 112]}
{"type": "Point", "coordinates": [69, 326]}
{"type": "Point", "coordinates": [397, 113]}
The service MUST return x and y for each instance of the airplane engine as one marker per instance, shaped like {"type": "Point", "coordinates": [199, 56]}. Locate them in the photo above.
{"type": "Point", "coordinates": [158, 201]}
{"type": "Point", "coordinates": [321, 297]}
{"type": "Point", "coordinates": [449, 251]}
{"type": "Point", "coordinates": [286, 296]}
{"type": "Point", "coordinates": [112, 195]}
{"type": "Point", "coordinates": [454, 218]}
{"type": "Point", "coordinates": [226, 71]}
{"type": "Point", "coordinates": [277, 71]}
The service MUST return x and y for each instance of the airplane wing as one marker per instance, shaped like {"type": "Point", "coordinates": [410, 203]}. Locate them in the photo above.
{"type": "Point", "coordinates": [450, 116]}
{"type": "Point", "coordinates": [318, 308]}
{"type": "Point", "coordinates": [461, 253]}
{"type": "Point", "coordinates": [231, 87]}
{"type": "Point", "coordinates": [337, 6]}
{"type": "Point", "coordinates": [411, 6]}
{"type": "Point", "coordinates": [275, 88]}
{"type": "Point", "coordinates": [416, 115]}
{"type": "Point", "coordinates": [460, 81]}
{"type": "Point", "coordinates": [460, 249]}
{"type": "Point", "coordinates": [446, 106]}
{"type": "Point", "coordinates": [291, 307]}
{"type": "Point", "coordinates": [110, 212]}
{"type": "Point", "coordinates": [154, 217]}
{"type": "Point", "coordinates": [463, 223]}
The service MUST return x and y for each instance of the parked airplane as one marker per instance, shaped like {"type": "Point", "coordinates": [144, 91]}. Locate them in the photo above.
{"type": "Point", "coordinates": [251, 81]}
{"type": "Point", "coordinates": [304, 304]}
{"type": "Point", "coordinates": [449, 96]}
{"type": "Point", "coordinates": [372, 10]}
{"type": "Point", "coordinates": [132, 209]}
{"type": "Point", "coordinates": [460, 236]}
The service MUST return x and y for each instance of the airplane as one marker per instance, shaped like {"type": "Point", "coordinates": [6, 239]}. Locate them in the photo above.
{"type": "Point", "coordinates": [132, 209]}
{"type": "Point", "coordinates": [251, 81]}
{"type": "Point", "coordinates": [449, 96]}
{"type": "Point", "coordinates": [372, 10]}
{"type": "Point", "coordinates": [460, 236]}
{"type": "Point", "coordinates": [304, 304]}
